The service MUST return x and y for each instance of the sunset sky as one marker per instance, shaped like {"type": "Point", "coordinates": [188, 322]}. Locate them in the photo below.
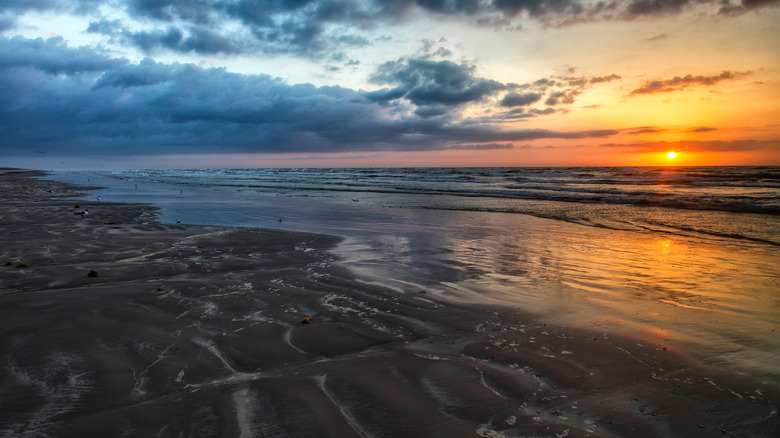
{"type": "Point", "coordinates": [342, 83]}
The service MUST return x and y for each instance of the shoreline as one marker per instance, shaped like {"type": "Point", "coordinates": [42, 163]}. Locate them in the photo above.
{"type": "Point", "coordinates": [197, 330]}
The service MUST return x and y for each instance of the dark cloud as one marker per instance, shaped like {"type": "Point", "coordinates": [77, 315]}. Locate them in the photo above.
{"type": "Point", "coordinates": [698, 146]}
{"type": "Point", "coordinates": [544, 82]}
{"type": "Point", "coordinates": [7, 22]}
{"type": "Point", "coordinates": [538, 8]}
{"type": "Point", "coordinates": [75, 6]}
{"type": "Point", "coordinates": [321, 27]}
{"type": "Point", "coordinates": [703, 129]}
{"type": "Point", "coordinates": [53, 56]}
{"type": "Point", "coordinates": [559, 90]}
{"type": "Point", "coordinates": [508, 116]}
{"type": "Point", "coordinates": [562, 97]}
{"type": "Point", "coordinates": [311, 27]}
{"type": "Point", "coordinates": [679, 82]}
{"type": "Point", "coordinates": [197, 39]}
{"type": "Point", "coordinates": [600, 79]}
{"type": "Point", "coordinates": [385, 94]}
{"type": "Point", "coordinates": [542, 112]}
{"type": "Point", "coordinates": [432, 111]}
{"type": "Point", "coordinates": [732, 8]}
{"type": "Point", "coordinates": [57, 99]}
{"type": "Point", "coordinates": [513, 115]}
{"type": "Point", "coordinates": [638, 8]}
{"type": "Point", "coordinates": [643, 130]}
{"type": "Point", "coordinates": [481, 147]}
{"type": "Point", "coordinates": [148, 41]}
{"type": "Point", "coordinates": [563, 12]}
{"type": "Point", "coordinates": [144, 74]}
{"type": "Point", "coordinates": [515, 99]}
{"type": "Point", "coordinates": [658, 37]}
{"type": "Point", "coordinates": [199, 11]}
{"type": "Point", "coordinates": [428, 82]}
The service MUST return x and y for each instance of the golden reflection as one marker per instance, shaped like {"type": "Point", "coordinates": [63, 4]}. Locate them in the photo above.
{"type": "Point", "coordinates": [665, 246]}
{"type": "Point", "coordinates": [658, 333]}
{"type": "Point", "coordinates": [665, 243]}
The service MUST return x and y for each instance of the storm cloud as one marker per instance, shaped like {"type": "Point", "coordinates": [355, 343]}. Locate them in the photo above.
{"type": "Point", "coordinates": [428, 82]}
{"type": "Point", "coordinates": [194, 39]}
{"type": "Point", "coordinates": [52, 56]}
{"type": "Point", "coordinates": [57, 98]}
{"type": "Point", "coordinates": [322, 27]}
{"type": "Point", "coordinates": [515, 99]}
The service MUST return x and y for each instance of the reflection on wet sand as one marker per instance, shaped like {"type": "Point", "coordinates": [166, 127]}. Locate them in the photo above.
{"type": "Point", "coordinates": [712, 297]}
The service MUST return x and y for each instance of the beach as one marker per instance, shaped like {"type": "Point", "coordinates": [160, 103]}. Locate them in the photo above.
{"type": "Point", "coordinates": [114, 323]}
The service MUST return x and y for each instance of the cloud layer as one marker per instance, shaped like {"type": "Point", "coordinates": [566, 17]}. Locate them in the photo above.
{"type": "Point", "coordinates": [323, 27]}
{"type": "Point", "coordinates": [57, 98]}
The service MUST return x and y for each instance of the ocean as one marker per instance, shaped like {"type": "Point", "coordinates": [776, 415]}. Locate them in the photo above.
{"type": "Point", "coordinates": [687, 200]}
{"type": "Point", "coordinates": [687, 255]}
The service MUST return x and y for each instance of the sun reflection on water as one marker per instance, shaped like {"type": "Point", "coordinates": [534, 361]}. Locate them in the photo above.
{"type": "Point", "coordinates": [693, 292]}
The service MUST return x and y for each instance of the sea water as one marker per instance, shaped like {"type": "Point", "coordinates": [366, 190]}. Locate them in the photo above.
{"type": "Point", "coordinates": [680, 256]}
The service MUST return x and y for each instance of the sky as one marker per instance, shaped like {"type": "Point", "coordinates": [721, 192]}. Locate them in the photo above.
{"type": "Point", "coordinates": [353, 83]}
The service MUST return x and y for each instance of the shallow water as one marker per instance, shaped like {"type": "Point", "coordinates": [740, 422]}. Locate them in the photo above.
{"type": "Point", "coordinates": [703, 280]}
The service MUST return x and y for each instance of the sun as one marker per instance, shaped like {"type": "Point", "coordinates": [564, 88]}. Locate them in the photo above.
{"type": "Point", "coordinates": [671, 155]}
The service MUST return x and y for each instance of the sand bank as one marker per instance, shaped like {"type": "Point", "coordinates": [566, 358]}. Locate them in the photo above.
{"type": "Point", "coordinates": [187, 330]}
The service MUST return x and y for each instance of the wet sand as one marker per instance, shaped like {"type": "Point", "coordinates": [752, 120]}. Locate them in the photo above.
{"type": "Point", "coordinates": [197, 331]}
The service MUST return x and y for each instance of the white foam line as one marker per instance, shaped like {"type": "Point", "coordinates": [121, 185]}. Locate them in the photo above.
{"type": "Point", "coordinates": [485, 431]}
{"type": "Point", "coordinates": [229, 380]}
{"type": "Point", "coordinates": [140, 257]}
{"type": "Point", "coordinates": [159, 358]}
{"type": "Point", "coordinates": [484, 382]}
{"type": "Point", "coordinates": [632, 356]}
{"type": "Point", "coordinates": [430, 356]}
{"type": "Point", "coordinates": [139, 382]}
{"type": "Point", "coordinates": [198, 236]}
{"type": "Point", "coordinates": [388, 286]}
{"type": "Point", "coordinates": [243, 402]}
{"type": "Point", "coordinates": [287, 339]}
{"type": "Point", "coordinates": [351, 420]}
{"type": "Point", "coordinates": [184, 313]}
{"type": "Point", "coordinates": [215, 351]}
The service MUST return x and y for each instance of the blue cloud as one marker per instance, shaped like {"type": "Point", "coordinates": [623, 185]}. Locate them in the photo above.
{"type": "Point", "coordinates": [318, 28]}
{"type": "Point", "coordinates": [427, 82]}
{"type": "Point", "coordinates": [57, 98]}
{"type": "Point", "coordinates": [515, 99]}
{"type": "Point", "coordinates": [53, 56]}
